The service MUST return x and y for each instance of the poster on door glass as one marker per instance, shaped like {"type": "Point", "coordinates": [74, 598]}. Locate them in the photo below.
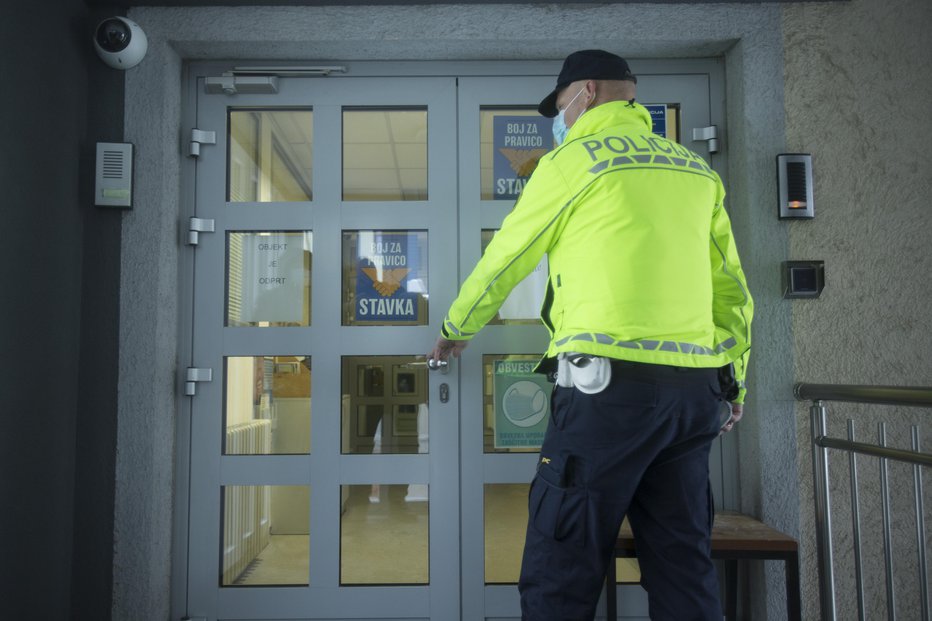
{"type": "Point", "coordinates": [522, 404]}
{"type": "Point", "coordinates": [525, 300]}
{"type": "Point", "coordinates": [519, 143]}
{"type": "Point", "coordinates": [389, 277]}
{"type": "Point", "coordinates": [271, 273]}
{"type": "Point", "coordinates": [664, 120]}
{"type": "Point", "coordinates": [658, 117]}
{"type": "Point", "coordinates": [523, 304]}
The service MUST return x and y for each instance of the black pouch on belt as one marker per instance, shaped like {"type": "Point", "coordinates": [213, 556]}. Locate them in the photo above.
{"type": "Point", "coordinates": [727, 382]}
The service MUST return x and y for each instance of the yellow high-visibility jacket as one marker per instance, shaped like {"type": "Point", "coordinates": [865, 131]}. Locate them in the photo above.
{"type": "Point", "coordinates": [643, 264]}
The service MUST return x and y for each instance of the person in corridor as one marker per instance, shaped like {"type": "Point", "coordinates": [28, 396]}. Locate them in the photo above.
{"type": "Point", "coordinates": [649, 317]}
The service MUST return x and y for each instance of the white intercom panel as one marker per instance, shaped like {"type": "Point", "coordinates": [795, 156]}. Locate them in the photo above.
{"type": "Point", "coordinates": [113, 182]}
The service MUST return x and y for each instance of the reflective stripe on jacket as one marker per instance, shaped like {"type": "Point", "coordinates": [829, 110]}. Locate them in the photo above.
{"type": "Point", "coordinates": [643, 264]}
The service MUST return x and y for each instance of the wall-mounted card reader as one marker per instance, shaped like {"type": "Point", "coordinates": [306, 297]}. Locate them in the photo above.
{"type": "Point", "coordinates": [803, 279]}
{"type": "Point", "coordinates": [794, 185]}
{"type": "Point", "coordinates": [113, 182]}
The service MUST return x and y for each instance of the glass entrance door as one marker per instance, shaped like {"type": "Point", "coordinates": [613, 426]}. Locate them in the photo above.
{"type": "Point", "coordinates": [505, 407]}
{"type": "Point", "coordinates": [324, 472]}
{"type": "Point", "coordinates": [331, 475]}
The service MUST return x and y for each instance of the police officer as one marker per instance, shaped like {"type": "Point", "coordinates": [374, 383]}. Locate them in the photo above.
{"type": "Point", "coordinates": [646, 306]}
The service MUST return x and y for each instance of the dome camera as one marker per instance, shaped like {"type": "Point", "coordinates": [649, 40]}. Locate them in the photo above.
{"type": "Point", "coordinates": [120, 42]}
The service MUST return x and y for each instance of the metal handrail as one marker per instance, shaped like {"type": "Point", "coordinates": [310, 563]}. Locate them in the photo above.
{"type": "Point", "coordinates": [909, 457]}
{"type": "Point", "coordinates": [918, 396]}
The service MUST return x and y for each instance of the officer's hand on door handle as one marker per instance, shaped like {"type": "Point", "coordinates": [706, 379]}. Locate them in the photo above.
{"type": "Point", "coordinates": [444, 348]}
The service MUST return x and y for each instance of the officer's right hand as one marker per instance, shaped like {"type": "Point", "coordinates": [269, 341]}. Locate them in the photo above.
{"type": "Point", "coordinates": [444, 348]}
{"type": "Point", "coordinates": [737, 411]}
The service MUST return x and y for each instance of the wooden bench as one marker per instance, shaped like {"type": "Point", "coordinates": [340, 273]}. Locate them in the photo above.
{"type": "Point", "coordinates": [735, 537]}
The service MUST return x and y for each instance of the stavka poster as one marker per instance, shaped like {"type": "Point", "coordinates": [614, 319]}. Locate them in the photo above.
{"type": "Point", "coordinates": [385, 273]}
{"type": "Point", "coordinates": [518, 143]}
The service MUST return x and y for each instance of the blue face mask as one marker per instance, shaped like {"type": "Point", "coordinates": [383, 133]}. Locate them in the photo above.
{"type": "Point", "coordinates": [559, 122]}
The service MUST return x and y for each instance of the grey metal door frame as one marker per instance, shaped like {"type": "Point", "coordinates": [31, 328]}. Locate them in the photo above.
{"type": "Point", "coordinates": [324, 341]}
{"type": "Point", "coordinates": [457, 586]}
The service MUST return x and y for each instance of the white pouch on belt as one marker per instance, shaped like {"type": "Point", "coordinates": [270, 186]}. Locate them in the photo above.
{"type": "Point", "coordinates": [589, 374]}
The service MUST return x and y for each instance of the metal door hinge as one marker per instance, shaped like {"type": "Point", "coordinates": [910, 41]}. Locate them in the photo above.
{"type": "Point", "coordinates": [194, 375]}
{"type": "Point", "coordinates": [708, 134]}
{"type": "Point", "coordinates": [199, 137]}
{"type": "Point", "coordinates": [196, 226]}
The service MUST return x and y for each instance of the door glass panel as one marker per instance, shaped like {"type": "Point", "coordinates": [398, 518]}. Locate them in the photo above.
{"type": "Point", "coordinates": [269, 278]}
{"type": "Point", "coordinates": [516, 404]}
{"type": "Point", "coordinates": [512, 141]}
{"type": "Point", "coordinates": [384, 534]}
{"type": "Point", "coordinates": [505, 524]}
{"type": "Point", "coordinates": [265, 535]}
{"type": "Point", "coordinates": [385, 278]}
{"type": "Point", "coordinates": [385, 154]}
{"type": "Point", "coordinates": [270, 155]}
{"type": "Point", "coordinates": [384, 405]}
{"type": "Point", "coordinates": [522, 306]}
{"type": "Point", "coordinates": [627, 570]}
{"type": "Point", "coordinates": [267, 405]}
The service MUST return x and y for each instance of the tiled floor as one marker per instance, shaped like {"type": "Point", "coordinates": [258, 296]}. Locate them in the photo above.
{"type": "Point", "coordinates": [284, 561]}
{"type": "Point", "coordinates": [505, 523]}
{"type": "Point", "coordinates": [386, 542]}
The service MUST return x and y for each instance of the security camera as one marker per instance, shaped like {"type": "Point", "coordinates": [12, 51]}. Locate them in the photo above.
{"type": "Point", "coordinates": [120, 42]}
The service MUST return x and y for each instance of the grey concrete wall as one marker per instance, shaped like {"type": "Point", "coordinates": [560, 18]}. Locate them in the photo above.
{"type": "Point", "coordinates": [749, 36]}
{"type": "Point", "coordinates": [40, 262]}
{"type": "Point", "coordinates": [95, 447]}
{"type": "Point", "coordinates": [767, 434]}
{"type": "Point", "coordinates": [58, 338]}
{"type": "Point", "coordinates": [858, 90]}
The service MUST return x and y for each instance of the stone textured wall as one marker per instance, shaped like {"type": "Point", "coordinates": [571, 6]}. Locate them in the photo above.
{"type": "Point", "coordinates": [858, 84]}
{"type": "Point", "coordinates": [149, 362]}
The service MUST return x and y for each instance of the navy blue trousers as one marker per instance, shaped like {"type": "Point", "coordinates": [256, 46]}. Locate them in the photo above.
{"type": "Point", "coordinates": [641, 448]}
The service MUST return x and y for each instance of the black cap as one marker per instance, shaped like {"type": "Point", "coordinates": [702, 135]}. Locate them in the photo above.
{"type": "Point", "coordinates": [586, 65]}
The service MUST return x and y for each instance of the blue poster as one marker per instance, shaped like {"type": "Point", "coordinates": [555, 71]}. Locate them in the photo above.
{"type": "Point", "coordinates": [518, 144]}
{"type": "Point", "coordinates": [386, 263]}
{"type": "Point", "coordinates": [658, 114]}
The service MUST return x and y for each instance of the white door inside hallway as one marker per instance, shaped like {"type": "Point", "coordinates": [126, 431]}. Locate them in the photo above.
{"type": "Point", "coordinates": [327, 473]}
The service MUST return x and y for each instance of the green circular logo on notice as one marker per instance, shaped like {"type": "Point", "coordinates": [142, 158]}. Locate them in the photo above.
{"type": "Point", "coordinates": [524, 404]}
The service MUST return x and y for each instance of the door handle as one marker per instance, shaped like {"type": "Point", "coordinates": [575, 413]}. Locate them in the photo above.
{"type": "Point", "coordinates": [434, 365]}
{"type": "Point", "coordinates": [442, 365]}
